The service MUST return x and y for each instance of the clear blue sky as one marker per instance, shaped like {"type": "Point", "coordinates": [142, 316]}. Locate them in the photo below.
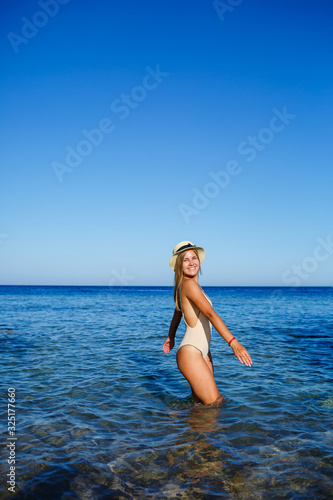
{"type": "Point", "coordinates": [199, 124]}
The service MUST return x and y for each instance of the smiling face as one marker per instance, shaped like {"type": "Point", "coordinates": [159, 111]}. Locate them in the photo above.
{"type": "Point", "coordinates": [191, 264]}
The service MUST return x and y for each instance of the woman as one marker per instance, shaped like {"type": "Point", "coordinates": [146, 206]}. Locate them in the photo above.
{"type": "Point", "coordinates": [193, 355]}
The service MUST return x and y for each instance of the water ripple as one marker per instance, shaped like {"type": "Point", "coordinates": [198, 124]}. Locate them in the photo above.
{"type": "Point", "coordinates": [102, 413]}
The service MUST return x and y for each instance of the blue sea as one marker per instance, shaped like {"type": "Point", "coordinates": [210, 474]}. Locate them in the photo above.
{"type": "Point", "coordinates": [102, 413]}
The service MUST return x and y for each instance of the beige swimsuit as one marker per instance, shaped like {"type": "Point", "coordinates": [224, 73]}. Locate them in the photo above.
{"type": "Point", "coordinates": [199, 335]}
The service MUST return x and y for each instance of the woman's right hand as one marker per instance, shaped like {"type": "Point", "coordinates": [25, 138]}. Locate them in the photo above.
{"type": "Point", "coordinates": [168, 345]}
{"type": "Point", "coordinates": [241, 353]}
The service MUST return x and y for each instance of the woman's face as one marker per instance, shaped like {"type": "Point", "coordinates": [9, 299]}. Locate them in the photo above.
{"type": "Point", "coordinates": [191, 264]}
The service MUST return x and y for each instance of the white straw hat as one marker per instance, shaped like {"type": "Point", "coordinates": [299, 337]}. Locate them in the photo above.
{"type": "Point", "coordinates": [181, 247]}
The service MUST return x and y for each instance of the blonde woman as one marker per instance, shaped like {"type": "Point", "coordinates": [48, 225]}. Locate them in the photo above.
{"type": "Point", "coordinates": [194, 359]}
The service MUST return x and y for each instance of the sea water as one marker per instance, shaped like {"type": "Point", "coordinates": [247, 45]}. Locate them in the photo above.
{"type": "Point", "coordinates": [102, 413]}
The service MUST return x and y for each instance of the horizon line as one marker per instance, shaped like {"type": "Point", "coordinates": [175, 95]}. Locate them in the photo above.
{"type": "Point", "coordinates": [171, 286]}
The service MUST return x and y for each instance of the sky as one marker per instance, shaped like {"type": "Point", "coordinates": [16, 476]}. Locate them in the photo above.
{"type": "Point", "coordinates": [130, 126]}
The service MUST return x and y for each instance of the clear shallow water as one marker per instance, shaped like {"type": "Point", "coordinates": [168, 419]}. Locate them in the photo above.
{"type": "Point", "coordinates": [102, 413]}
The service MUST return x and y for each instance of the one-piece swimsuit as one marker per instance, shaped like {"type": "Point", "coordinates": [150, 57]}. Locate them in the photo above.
{"type": "Point", "coordinates": [198, 336]}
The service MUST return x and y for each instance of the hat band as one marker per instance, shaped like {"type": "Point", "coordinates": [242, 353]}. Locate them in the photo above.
{"type": "Point", "coordinates": [183, 247]}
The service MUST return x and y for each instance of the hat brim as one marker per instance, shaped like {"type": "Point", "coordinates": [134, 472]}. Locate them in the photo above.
{"type": "Point", "coordinates": [200, 251]}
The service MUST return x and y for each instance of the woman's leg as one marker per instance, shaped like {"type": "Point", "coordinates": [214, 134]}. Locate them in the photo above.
{"type": "Point", "coordinates": [196, 400]}
{"type": "Point", "coordinates": [198, 373]}
{"type": "Point", "coordinates": [209, 361]}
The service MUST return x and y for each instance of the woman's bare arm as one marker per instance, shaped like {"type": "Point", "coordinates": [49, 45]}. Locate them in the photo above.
{"type": "Point", "coordinates": [193, 292]}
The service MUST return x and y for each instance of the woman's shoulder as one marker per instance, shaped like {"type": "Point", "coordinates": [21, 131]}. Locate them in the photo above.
{"type": "Point", "coordinates": [190, 285]}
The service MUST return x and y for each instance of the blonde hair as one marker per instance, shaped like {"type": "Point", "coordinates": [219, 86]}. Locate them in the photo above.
{"type": "Point", "coordinates": [179, 276]}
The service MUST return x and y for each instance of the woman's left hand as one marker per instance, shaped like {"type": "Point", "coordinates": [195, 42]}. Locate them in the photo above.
{"type": "Point", "coordinates": [168, 345]}
{"type": "Point", "coordinates": [241, 353]}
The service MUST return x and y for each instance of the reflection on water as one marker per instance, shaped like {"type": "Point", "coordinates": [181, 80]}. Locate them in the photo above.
{"type": "Point", "coordinates": [103, 413]}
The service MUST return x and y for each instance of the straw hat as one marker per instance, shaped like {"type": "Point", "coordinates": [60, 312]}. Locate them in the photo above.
{"type": "Point", "coordinates": [181, 247]}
